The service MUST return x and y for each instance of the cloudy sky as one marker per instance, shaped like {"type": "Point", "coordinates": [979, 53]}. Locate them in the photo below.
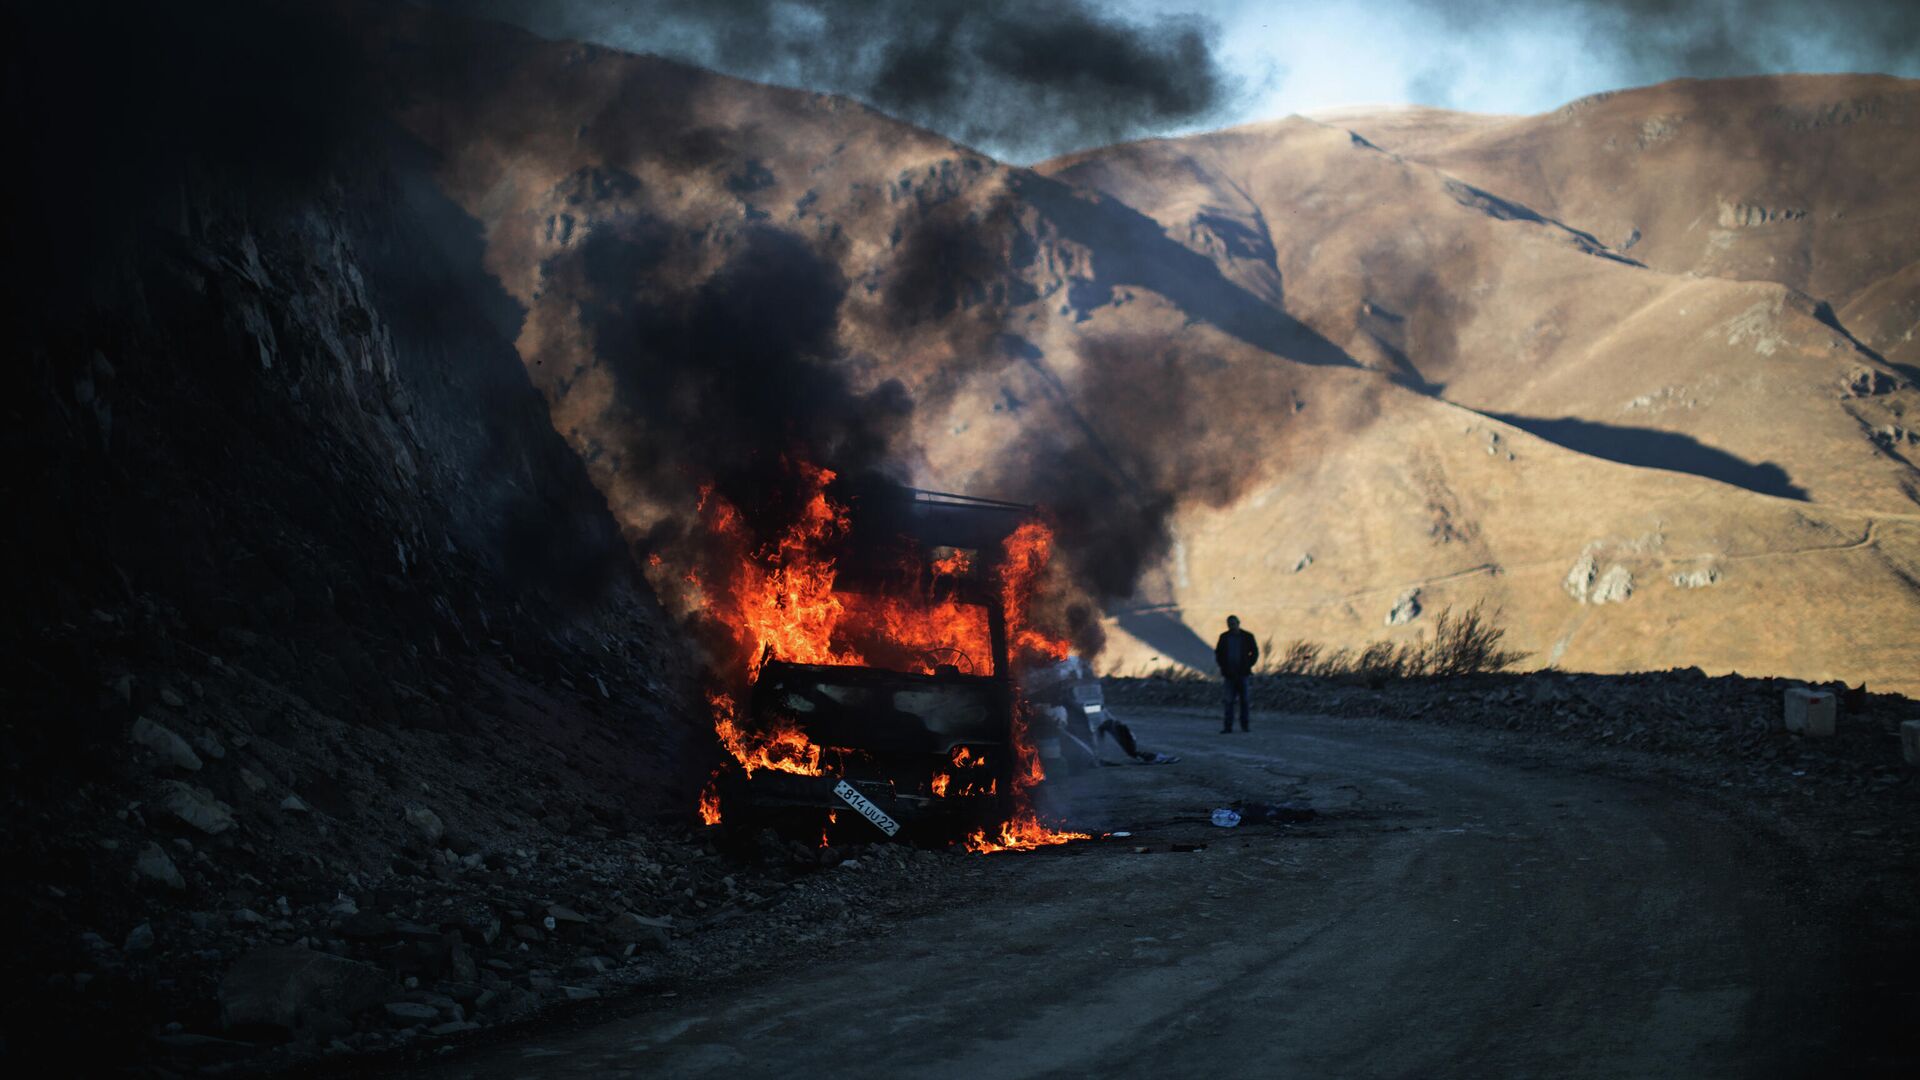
{"type": "Point", "coordinates": [1517, 57]}
{"type": "Point", "coordinates": [1026, 79]}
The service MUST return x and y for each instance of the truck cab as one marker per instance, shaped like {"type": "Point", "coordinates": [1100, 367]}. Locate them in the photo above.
{"type": "Point", "coordinates": [918, 743]}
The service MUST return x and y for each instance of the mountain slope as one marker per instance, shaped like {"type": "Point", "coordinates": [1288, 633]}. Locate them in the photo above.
{"type": "Point", "coordinates": [1499, 308]}
{"type": "Point", "coordinates": [1799, 179]}
{"type": "Point", "coordinates": [1210, 356]}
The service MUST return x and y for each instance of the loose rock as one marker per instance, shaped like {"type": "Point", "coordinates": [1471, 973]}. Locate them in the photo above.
{"type": "Point", "coordinates": [154, 864]}
{"type": "Point", "coordinates": [1405, 609]}
{"type": "Point", "coordinates": [172, 748]}
{"type": "Point", "coordinates": [1615, 586]}
{"type": "Point", "coordinates": [427, 823]}
{"type": "Point", "coordinates": [638, 930]}
{"type": "Point", "coordinates": [560, 913]}
{"type": "Point", "coordinates": [197, 808]}
{"type": "Point", "coordinates": [411, 1012]}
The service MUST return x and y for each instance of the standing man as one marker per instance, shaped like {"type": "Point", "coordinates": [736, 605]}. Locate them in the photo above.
{"type": "Point", "coordinates": [1235, 653]}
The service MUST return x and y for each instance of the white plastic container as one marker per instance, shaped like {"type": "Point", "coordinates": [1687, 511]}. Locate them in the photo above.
{"type": "Point", "coordinates": [1810, 712]}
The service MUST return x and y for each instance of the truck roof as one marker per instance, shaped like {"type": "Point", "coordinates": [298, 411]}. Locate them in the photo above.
{"type": "Point", "coordinates": [939, 518]}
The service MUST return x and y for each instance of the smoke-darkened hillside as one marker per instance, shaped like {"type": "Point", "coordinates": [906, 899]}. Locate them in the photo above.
{"type": "Point", "coordinates": [294, 550]}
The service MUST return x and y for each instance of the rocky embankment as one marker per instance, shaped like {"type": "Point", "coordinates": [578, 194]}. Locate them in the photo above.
{"type": "Point", "coordinates": [319, 639]}
{"type": "Point", "coordinates": [1732, 725]}
{"type": "Point", "coordinates": [268, 932]}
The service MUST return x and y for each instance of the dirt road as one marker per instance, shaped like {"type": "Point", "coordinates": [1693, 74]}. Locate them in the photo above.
{"type": "Point", "coordinates": [1449, 914]}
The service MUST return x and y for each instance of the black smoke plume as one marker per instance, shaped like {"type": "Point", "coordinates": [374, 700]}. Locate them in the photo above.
{"type": "Point", "coordinates": [729, 378]}
{"type": "Point", "coordinates": [1020, 78]}
{"type": "Point", "coordinates": [1140, 435]}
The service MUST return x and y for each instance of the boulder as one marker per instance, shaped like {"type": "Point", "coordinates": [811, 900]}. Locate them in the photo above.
{"type": "Point", "coordinates": [459, 961]}
{"type": "Point", "coordinates": [1579, 579]}
{"type": "Point", "coordinates": [411, 1012]}
{"type": "Point", "coordinates": [639, 930]}
{"type": "Point", "coordinates": [1697, 578]}
{"type": "Point", "coordinates": [170, 747]}
{"type": "Point", "coordinates": [197, 808]}
{"type": "Point", "coordinates": [561, 913]}
{"type": "Point", "coordinates": [154, 864]}
{"type": "Point", "coordinates": [287, 987]}
{"type": "Point", "coordinates": [1405, 609]}
{"type": "Point", "coordinates": [1615, 586]}
{"type": "Point", "coordinates": [453, 1027]}
{"type": "Point", "coordinates": [427, 824]}
{"type": "Point", "coordinates": [1864, 381]}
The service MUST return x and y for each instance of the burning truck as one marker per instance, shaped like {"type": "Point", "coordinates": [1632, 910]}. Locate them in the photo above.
{"type": "Point", "coordinates": [882, 635]}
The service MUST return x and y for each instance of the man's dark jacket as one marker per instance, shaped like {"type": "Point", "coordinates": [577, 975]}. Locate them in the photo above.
{"type": "Point", "coordinates": [1249, 652]}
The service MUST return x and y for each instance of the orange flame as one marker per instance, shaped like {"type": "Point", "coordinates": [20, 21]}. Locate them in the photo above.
{"type": "Point", "coordinates": [1028, 550]}
{"type": "Point", "coordinates": [777, 599]}
{"type": "Point", "coordinates": [779, 746]}
{"type": "Point", "coordinates": [710, 804]}
{"type": "Point", "coordinates": [966, 761]}
{"type": "Point", "coordinates": [768, 599]}
{"type": "Point", "coordinates": [956, 563]}
{"type": "Point", "coordinates": [1023, 833]}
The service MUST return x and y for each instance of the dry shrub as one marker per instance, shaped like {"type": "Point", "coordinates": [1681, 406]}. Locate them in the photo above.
{"type": "Point", "coordinates": [1463, 644]}
{"type": "Point", "coordinates": [1337, 662]}
{"type": "Point", "coordinates": [1173, 673]}
{"type": "Point", "coordinates": [1469, 644]}
{"type": "Point", "coordinates": [1378, 661]}
{"type": "Point", "coordinates": [1299, 659]}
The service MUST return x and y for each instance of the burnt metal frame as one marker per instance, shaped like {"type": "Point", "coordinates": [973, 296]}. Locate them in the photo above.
{"type": "Point", "coordinates": [985, 544]}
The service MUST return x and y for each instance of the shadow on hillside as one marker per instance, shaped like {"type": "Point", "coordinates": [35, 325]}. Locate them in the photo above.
{"type": "Point", "coordinates": [1130, 248]}
{"type": "Point", "coordinates": [1652, 449]}
{"type": "Point", "coordinates": [1175, 640]}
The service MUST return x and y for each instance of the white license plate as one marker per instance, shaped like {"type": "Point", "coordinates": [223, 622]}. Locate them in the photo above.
{"type": "Point", "coordinates": [1090, 709]}
{"type": "Point", "coordinates": [865, 806]}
